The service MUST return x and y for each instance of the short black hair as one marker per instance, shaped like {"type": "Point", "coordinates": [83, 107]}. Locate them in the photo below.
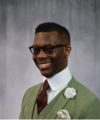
{"type": "Point", "coordinates": [51, 26]}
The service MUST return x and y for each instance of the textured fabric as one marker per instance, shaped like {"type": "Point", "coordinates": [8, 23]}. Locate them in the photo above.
{"type": "Point", "coordinates": [85, 105]}
{"type": "Point", "coordinates": [42, 97]}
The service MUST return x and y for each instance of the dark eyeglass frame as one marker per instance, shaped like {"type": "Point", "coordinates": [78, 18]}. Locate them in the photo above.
{"type": "Point", "coordinates": [46, 49]}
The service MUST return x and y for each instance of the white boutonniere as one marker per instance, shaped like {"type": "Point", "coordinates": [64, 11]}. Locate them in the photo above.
{"type": "Point", "coordinates": [70, 92]}
{"type": "Point", "coordinates": [63, 114]}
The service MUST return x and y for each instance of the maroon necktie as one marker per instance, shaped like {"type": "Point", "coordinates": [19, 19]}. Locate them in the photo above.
{"type": "Point", "coordinates": [42, 97]}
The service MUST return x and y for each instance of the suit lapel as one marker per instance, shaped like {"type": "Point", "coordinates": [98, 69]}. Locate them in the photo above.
{"type": "Point", "coordinates": [58, 104]}
{"type": "Point", "coordinates": [35, 113]}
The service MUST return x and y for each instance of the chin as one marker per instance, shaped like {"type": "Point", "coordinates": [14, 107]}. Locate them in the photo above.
{"type": "Point", "coordinates": [48, 75]}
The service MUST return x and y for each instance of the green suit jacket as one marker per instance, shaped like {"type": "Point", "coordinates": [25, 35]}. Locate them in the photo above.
{"type": "Point", "coordinates": [85, 105]}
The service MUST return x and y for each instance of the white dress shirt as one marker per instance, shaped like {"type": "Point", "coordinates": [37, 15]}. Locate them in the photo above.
{"type": "Point", "coordinates": [57, 83]}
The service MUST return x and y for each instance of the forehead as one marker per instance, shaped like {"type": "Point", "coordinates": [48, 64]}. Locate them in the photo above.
{"type": "Point", "coordinates": [47, 37]}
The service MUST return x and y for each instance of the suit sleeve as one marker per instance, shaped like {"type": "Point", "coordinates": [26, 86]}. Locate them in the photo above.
{"type": "Point", "coordinates": [23, 105]}
{"type": "Point", "coordinates": [21, 116]}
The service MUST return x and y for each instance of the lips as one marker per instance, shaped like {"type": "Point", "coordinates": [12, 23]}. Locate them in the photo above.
{"type": "Point", "coordinates": [44, 65]}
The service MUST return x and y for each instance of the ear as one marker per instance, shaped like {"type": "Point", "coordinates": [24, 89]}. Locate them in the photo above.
{"type": "Point", "coordinates": [67, 50]}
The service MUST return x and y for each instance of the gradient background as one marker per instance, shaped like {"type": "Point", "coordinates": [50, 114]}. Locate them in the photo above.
{"type": "Point", "coordinates": [18, 18]}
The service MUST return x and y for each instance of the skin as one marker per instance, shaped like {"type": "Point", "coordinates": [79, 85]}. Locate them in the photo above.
{"type": "Point", "coordinates": [50, 65]}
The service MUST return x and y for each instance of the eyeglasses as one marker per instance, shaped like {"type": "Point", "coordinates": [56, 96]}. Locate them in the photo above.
{"type": "Point", "coordinates": [48, 49]}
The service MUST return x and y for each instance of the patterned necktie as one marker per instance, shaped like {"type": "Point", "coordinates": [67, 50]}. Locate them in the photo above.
{"type": "Point", "coordinates": [42, 97]}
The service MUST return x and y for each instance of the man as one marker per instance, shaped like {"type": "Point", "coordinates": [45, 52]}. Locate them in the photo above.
{"type": "Point", "coordinates": [65, 97]}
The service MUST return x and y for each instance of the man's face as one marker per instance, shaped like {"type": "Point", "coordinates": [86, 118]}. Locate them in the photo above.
{"type": "Point", "coordinates": [50, 64]}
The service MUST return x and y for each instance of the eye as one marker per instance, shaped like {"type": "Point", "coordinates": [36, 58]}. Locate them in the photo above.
{"type": "Point", "coordinates": [36, 50]}
{"type": "Point", "coordinates": [48, 49]}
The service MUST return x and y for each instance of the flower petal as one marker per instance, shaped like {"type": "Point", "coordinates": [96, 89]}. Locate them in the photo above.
{"type": "Point", "coordinates": [63, 114]}
{"type": "Point", "coordinates": [70, 93]}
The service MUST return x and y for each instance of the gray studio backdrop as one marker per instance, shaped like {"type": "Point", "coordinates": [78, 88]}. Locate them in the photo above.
{"type": "Point", "coordinates": [18, 18]}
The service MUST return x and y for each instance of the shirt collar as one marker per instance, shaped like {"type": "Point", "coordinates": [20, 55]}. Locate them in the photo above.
{"type": "Point", "coordinates": [60, 80]}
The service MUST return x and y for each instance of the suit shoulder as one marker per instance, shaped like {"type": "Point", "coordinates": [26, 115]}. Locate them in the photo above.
{"type": "Point", "coordinates": [30, 91]}
{"type": "Point", "coordinates": [82, 90]}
